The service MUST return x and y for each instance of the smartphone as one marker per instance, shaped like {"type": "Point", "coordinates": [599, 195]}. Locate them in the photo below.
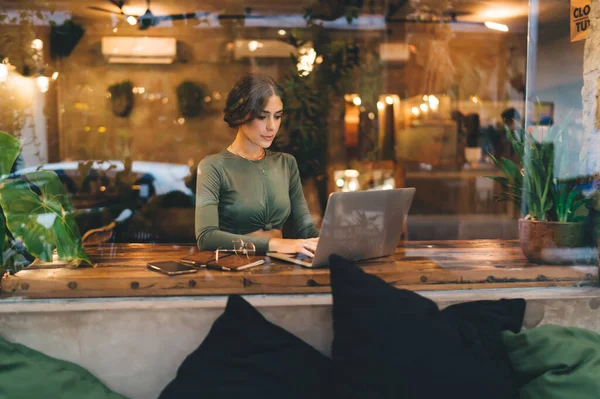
{"type": "Point", "coordinates": [171, 268]}
{"type": "Point", "coordinates": [200, 259]}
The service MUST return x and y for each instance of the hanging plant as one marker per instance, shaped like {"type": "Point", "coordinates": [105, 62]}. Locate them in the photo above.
{"type": "Point", "coordinates": [190, 99]}
{"type": "Point", "coordinates": [64, 38]}
{"type": "Point", "coordinates": [121, 98]}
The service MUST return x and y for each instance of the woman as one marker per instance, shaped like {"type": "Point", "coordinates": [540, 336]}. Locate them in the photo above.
{"type": "Point", "coordinates": [246, 191]}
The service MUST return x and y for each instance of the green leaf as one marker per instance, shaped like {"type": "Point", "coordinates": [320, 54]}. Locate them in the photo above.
{"type": "Point", "coordinates": [9, 151]}
{"type": "Point", "coordinates": [503, 181]}
{"type": "Point", "coordinates": [44, 222]}
{"type": "Point", "coordinates": [2, 237]}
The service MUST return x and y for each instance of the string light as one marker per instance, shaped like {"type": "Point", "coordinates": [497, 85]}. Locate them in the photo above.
{"type": "Point", "coordinates": [43, 83]}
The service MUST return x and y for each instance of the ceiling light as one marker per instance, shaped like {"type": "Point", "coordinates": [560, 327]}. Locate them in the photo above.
{"type": "Point", "coordinates": [503, 11]}
{"type": "Point", "coordinates": [415, 111]}
{"type": "Point", "coordinates": [496, 26]}
{"type": "Point", "coordinates": [357, 100]}
{"type": "Point", "coordinates": [380, 105]}
{"type": "Point", "coordinates": [389, 100]}
{"type": "Point", "coordinates": [424, 107]}
{"type": "Point", "coordinates": [131, 20]}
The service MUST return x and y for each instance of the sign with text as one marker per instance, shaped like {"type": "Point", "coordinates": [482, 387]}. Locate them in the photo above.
{"type": "Point", "coordinates": [580, 19]}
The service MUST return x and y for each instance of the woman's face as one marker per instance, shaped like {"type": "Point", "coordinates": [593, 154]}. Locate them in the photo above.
{"type": "Point", "coordinates": [262, 130]}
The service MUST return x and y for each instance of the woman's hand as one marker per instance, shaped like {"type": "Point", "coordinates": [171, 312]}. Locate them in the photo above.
{"type": "Point", "coordinates": [306, 246]}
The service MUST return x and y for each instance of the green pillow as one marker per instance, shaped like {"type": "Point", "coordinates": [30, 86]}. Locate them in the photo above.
{"type": "Point", "coordinates": [26, 373]}
{"type": "Point", "coordinates": [554, 362]}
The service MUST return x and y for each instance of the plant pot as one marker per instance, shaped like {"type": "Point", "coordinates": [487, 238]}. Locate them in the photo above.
{"type": "Point", "coordinates": [553, 243]}
{"type": "Point", "coordinates": [473, 156]}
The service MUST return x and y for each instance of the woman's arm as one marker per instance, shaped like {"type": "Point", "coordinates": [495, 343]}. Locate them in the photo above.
{"type": "Point", "coordinates": [208, 235]}
{"type": "Point", "coordinates": [301, 219]}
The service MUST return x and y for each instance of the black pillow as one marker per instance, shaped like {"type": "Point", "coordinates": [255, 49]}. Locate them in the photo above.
{"type": "Point", "coordinates": [391, 343]}
{"type": "Point", "coordinates": [246, 356]}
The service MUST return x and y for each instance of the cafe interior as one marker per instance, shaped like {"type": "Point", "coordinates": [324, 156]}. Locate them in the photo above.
{"type": "Point", "coordinates": [108, 107]}
{"type": "Point", "coordinates": [123, 99]}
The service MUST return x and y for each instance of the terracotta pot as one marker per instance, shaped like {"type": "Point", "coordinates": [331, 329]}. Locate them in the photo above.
{"type": "Point", "coordinates": [552, 243]}
{"type": "Point", "coordinates": [473, 155]}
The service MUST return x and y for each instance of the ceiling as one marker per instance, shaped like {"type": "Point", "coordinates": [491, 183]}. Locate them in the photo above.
{"type": "Point", "coordinates": [511, 12]}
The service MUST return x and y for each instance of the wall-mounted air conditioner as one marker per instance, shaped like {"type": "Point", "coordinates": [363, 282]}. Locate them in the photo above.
{"type": "Point", "coordinates": [262, 49]}
{"type": "Point", "coordinates": [394, 52]}
{"type": "Point", "coordinates": [139, 50]}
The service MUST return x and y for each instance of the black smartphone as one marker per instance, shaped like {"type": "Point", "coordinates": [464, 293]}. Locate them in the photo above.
{"type": "Point", "coordinates": [171, 268]}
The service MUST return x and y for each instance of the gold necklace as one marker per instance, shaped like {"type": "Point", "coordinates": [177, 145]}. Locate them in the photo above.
{"type": "Point", "coordinates": [250, 160]}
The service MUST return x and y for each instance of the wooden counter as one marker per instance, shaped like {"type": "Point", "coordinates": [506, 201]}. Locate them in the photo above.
{"type": "Point", "coordinates": [427, 265]}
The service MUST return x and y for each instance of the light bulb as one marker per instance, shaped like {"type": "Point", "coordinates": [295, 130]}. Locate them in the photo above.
{"type": "Point", "coordinates": [3, 72]}
{"type": "Point", "coordinates": [496, 26]}
{"type": "Point", "coordinates": [37, 44]}
{"type": "Point", "coordinates": [43, 83]}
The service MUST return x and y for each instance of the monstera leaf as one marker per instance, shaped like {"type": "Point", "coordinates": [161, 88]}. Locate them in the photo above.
{"type": "Point", "coordinates": [9, 151]}
{"type": "Point", "coordinates": [39, 213]}
{"type": "Point", "coordinates": [2, 237]}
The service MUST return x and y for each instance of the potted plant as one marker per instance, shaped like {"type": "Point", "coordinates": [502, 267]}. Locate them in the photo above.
{"type": "Point", "coordinates": [544, 185]}
{"type": "Point", "coordinates": [36, 216]}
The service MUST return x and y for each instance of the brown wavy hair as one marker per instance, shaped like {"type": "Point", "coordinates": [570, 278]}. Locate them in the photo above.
{"type": "Point", "coordinates": [248, 98]}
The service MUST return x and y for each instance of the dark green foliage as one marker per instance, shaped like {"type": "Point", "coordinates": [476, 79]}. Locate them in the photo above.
{"type": "Point", "coordinates": [541, 182]}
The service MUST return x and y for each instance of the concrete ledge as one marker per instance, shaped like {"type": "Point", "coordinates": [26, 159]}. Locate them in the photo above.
{"type": "Point", "coordinates": [121, 340]}
{"type": "Point", "coordinates": [17, 305]}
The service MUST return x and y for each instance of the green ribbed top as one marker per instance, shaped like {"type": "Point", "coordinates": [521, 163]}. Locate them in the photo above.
{"type": "Point", "coordinates": [235, 197]}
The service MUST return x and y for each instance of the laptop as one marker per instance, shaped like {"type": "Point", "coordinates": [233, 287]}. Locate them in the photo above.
{"type": "Point", "coordinates": [358, 225]}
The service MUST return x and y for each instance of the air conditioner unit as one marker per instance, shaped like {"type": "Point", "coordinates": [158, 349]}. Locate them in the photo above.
{"type": "Point", "coordinates": [394, 52]}
{"type": "Point", "coordinates": [262, 49]}
{"type": "Point", "coordinates": [139, 50]}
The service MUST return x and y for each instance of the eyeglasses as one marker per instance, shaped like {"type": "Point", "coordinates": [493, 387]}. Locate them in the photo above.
{"type": "Point", "coordinates": [240, 248]}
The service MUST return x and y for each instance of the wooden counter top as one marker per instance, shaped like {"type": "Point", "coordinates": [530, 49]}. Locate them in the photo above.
{"type": "Point", "coordinates": [426, 265]}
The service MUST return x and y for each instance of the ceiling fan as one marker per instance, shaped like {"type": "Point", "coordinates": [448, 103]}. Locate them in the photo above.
{"type": "Point", "coordinates": [148, 19]}
{"type": "Point", "coordinates": [424, 13]}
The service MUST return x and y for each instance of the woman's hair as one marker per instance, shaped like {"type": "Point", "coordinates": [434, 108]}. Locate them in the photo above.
{"type": "Point", "coordinates": [248, 98]}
